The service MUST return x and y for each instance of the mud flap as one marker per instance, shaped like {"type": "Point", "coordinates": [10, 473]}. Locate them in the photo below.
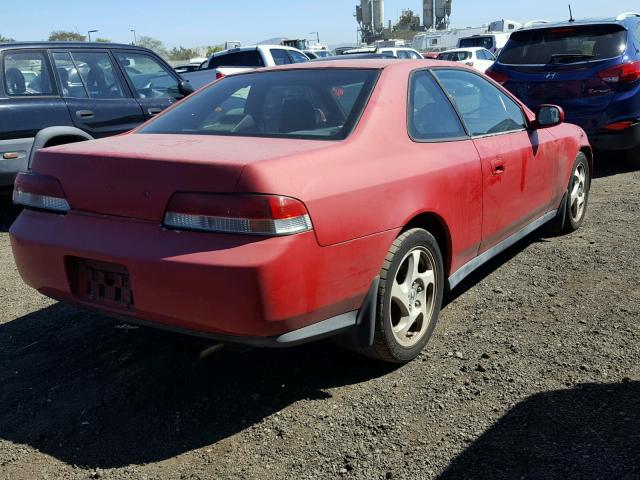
{"type": "Point", "coordinates": [361, 336]}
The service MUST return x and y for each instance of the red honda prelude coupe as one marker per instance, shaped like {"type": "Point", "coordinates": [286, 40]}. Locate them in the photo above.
{"type": "Point", "coordinates": [286, 205]}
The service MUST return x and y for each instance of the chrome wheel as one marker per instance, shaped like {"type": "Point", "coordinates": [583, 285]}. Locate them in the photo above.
{"type": "Point", "coordinates": [578, 193]}
{"type": "Point", "coordinates": [412, 297]}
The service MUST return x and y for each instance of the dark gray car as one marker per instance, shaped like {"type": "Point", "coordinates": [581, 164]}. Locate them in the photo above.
{"type": "Point", "coordinates": [85, 90]}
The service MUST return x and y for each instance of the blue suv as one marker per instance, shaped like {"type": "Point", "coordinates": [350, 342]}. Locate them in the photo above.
{"type": "Point", "coordinates": [590, 68]}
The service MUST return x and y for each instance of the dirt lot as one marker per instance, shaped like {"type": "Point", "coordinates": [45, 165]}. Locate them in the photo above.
{"type": "Point", "coordinates": [533, 373]}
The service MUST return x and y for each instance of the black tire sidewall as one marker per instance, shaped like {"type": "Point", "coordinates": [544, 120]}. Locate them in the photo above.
{"type": "Point", "coordinates": [416, 238]}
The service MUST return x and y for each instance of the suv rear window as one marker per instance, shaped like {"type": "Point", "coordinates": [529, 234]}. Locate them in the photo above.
{"type": "Point", "coordinates": [569, 44]}
{"type": "Point", "coordinates": [248, 58]}
{"type": "Point", "coordinates": [319, 104]}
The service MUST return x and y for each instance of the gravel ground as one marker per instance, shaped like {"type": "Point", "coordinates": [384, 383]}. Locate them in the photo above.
{"type": "Point", "coordinates": [533, 373]}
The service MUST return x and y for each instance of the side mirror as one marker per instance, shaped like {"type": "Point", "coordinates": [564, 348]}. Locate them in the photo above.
{"type": "Point", "coordinates": [185, 88]}
{"type": "Point", "coordinates": [549, 116]}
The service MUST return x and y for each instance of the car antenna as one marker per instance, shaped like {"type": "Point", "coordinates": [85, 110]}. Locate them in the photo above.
{"type": "Point", "coordinates": [571, 19]}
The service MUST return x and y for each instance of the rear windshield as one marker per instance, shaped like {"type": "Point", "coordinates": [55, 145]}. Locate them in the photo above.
{"type": "Point", "coordinates": [322, 104]}
{"type": "Point", "coordinates": [248, 58]}
{"type": "Point", "coordinates": [484, 42]}
{"type": "Point", "coordinates": [454, 56]}
{"type": "Point", "coordinates": [564, 45]}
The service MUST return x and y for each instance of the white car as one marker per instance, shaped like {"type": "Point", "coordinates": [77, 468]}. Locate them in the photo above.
{"type": "Point", "coordinates": [242, 59]}
{"type": "Point", "coordinates": [479, 58]}
{"type": "Point", "coordinates": [401, 52]}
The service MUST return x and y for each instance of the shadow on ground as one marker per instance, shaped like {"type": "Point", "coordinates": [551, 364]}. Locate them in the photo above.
{"type": "Point", "coordinates": [76, 388]}
{"type": "Point", "coordinates": [589, 432]}
{"type": "Point", "coordinates": [608, 164]}
{"type": "Point", "coordinates": [8, 214]}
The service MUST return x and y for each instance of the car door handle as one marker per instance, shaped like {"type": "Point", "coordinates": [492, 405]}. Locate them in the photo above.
{"type": "Point", "coordinates": [154, 111]}
{"type": "Point", "coordinates": [85, 114]}
{"type": "Point", "coordinates": [497, 167]}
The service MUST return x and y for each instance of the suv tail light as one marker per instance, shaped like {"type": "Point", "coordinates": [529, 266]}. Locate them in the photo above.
{"type": "Point", "coordinates": [619, 126]}
{"type": "Point", "coordinates": [39, 191]}
{"type": "Point", "coordinates": [624, 73]}
{"type": "Point", "coordinates": [219, 75]}
{"type": "Point", "coordinates": [499, 77]}
{"type": "Point", "coordinates": [270, 215]}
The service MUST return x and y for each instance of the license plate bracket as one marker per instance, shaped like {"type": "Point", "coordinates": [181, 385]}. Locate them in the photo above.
{"type": "Point", "coordinates": [102, 283]}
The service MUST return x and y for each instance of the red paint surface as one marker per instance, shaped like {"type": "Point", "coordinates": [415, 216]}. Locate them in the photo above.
{"type": "Point", "coordinates": [359, 192]}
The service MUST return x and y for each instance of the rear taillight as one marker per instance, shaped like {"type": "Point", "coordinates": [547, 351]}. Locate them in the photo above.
{"type": "Point", "coordinates": [270, 215]}
{"type": "Point", "coordinates": [39, 191]}
{"type": "Point", "coordinates": [619, 126]}
{"type": "Point", "coordinates": [497, 76]}
{"type": "Point", "coordinates": [624, 73]}
{"type": "Point", "coordinates": [219, 75]}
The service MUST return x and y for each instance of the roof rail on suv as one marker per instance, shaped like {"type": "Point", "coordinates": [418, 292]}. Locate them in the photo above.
{"type": "Point", "coordinates": [624, 15]}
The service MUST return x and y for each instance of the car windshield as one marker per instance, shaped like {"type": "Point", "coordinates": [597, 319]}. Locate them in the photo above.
{"type": "Point", "coordinates": [313, 103]}
{"type": "Point", "coordinates": [564, 45]}
{"type": "Point", "coordinates": [454, 56]}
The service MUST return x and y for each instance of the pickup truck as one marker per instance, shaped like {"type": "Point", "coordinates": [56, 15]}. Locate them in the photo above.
{"type": "Point", "coordinates": [237, 60]}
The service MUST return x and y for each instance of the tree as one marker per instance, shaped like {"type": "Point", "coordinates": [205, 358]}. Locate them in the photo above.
{"type": "Point", "coordinates": [63, 36]}
{"type": "Point", "coordinates": [182, 53]}
{"type": "Point", "coordinates": [5, 39]}
{"type": "Point", "coordinates": [103, 40]}
{"type": "Point", "coordinates": [213, 49]}
{"type": "Point", "coordinates": [152, 44]}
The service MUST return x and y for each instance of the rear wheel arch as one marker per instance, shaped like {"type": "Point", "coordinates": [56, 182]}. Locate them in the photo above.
{"type": "Point", "coordinates": [434, 224]}
{"type": "Point", "coordinates": [63, 139]}
{"type": "Point", "coordinates": [51, 136]}
{"type": "Point", "coordinates": [589, 154]}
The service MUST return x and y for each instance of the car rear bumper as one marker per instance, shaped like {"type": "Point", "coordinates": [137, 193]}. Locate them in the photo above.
{"type": "Point", "coordinates": [626, 140]}
{"type": "Point", "coordinates": [235, 288]}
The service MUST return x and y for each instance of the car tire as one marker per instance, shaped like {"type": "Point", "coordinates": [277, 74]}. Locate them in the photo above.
{"type": "Point", "coordinates": [632, 157]}
{"type": "Point", "coordinates": [577, 194]}
{"type": "Point", "coordinates": [409, 297]}
{"type": "Point", "coordinates": [566, 221]}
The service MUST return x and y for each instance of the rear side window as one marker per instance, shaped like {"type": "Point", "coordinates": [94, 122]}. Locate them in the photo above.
{"type": "Point", "coordinates": [280, 57]}
{"type": "Point", "coordinates": [27, 73]}
{"type": "Point", "coordinates": [485, 109]}
{"type": "Point", "coordinates": [70, 81]}
{"type": "Point", "coordinates": [564, 45]}
{"type": "Point", "coordinates": [431, 115]}
{"type": "Point", "coordinates": [97, 74]}
{"type": "Point", "coordinates": [316, 104]}
{"type": "Point", "coordinates": [249, 58]}
{"type": "Point", "coordinates": [297, 57]}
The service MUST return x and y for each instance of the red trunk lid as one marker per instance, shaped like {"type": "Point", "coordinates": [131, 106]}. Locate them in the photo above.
{"type": "Point", "coordinates": [135, 175]}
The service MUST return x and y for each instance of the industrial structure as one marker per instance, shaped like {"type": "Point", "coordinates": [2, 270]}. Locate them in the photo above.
{"type": "Point", "coordinates": [370, 17]}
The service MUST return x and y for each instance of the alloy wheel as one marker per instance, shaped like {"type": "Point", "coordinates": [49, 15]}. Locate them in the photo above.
{"type": "Point", "coordinates": [412, 297]}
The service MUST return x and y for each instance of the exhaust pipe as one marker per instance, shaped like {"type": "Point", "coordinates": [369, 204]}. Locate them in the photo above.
{"type": "Point", "coordinates": [207, 352]}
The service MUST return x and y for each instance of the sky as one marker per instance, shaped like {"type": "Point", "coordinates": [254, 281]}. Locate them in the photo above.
{"type": "Point", "coordinates": [193, 23]}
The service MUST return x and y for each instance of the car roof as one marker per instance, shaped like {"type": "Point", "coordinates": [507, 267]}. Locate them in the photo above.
{"type": "Point", "coordinates": [253, 47]}
{"type": "Point", "coordinates": [468, 49]}
{"type": "Point", "coordinates": [368, 63]}
{"type": "Point", "coordinates": [581, 22]}
{"type": "Point", "coordinates": [41, 44]}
